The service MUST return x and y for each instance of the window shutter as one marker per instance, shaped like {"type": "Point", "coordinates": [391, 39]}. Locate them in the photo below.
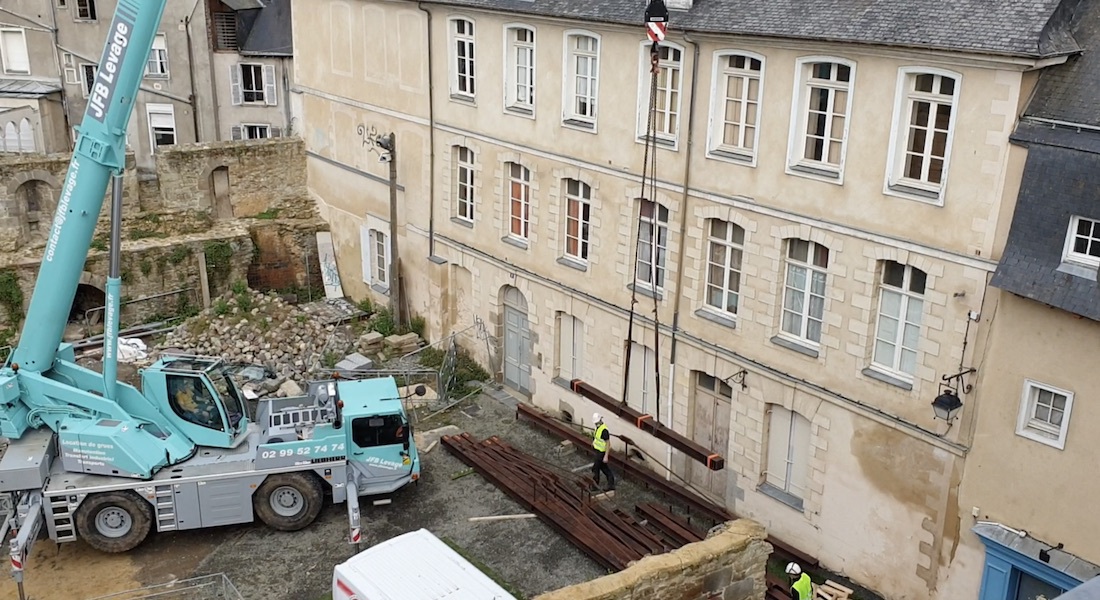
{"type": "Point", "coordinates": [235, 84]}
{"type": "Point", "coordinates": [779, 443]}
{"type": "Point", "coordinates": [276, 131]}
{"type": "Point", "coordinates": [16, 59]}
{"type": "Point", "coordinates": [365, 239]}
{"type": "Point", "coordinates": [270, 89]}
{"type": "Point", "coordinates": [800, 453]}
{"type": "Point", "coordinates": [236, 132]}
{"type": "Point", "coordinates": [565, 346]}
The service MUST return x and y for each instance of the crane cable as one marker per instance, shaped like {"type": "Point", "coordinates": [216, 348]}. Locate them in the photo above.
{"type": "Point", "coordinates": [654, 12]}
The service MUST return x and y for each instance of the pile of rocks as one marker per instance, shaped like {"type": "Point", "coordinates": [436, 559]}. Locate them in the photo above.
{"type": "Point", "coordinates": [251, 328]}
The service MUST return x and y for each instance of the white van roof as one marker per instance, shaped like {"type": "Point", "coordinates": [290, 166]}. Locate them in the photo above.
{"type": "Point", "coordinates": [417, 566]}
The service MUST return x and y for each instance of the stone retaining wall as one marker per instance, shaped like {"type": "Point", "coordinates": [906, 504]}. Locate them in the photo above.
{"type": "Point", "coordinates": [725, 566]}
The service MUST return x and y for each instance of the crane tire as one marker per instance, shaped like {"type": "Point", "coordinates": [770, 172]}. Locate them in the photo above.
{"type": "Point", "coordinates": [289, 501]}
{"type": "Point", "coordinates": [114, 521]}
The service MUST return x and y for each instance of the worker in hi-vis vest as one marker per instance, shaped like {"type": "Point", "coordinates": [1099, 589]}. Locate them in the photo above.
{"type": "Point", "coordinates": [601, 442]}
{"type": "Point", "coordinates": [801, 586]}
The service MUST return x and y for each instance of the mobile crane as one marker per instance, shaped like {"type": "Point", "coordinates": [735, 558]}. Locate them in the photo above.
{"type": "Point", "coordinates": [94, 458]}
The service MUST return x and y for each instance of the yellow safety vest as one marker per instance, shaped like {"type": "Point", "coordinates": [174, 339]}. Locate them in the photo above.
{"type": "Point", "coordinates": [804, 587]}
{"type": "Point", "coordinates": [597, 441]}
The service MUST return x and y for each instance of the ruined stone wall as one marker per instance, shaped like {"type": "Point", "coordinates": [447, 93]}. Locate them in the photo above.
{"type": "Point", "coordinates": [264, 177]}
{"type": "Point", "coordinates": [726, 566]}
{"type": "Point", "coordinates": [285, 257]}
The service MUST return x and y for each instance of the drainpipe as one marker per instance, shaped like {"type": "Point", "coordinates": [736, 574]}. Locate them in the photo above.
{"type": "Point", "coordinates": [683, 239]}
{"type": "Point", "coordinates": [69, 141]}
{"type": "Point", "coordinates": [192, 98]}
{"type": "Point", "coordinates": [431, 138]}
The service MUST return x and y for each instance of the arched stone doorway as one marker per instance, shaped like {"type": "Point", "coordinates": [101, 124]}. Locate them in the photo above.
{"type": "Point", "coordinates": [87, 297]}
{"type": "Point", "coordinates": [219, 189]}
{"type": "Point", "coordinates": [35, 199]}
{"type": "Point", "coordinates": [517, 340]}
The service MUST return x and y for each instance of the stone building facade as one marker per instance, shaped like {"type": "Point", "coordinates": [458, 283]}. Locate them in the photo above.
{"type": "Point", "coordinates": [826, 211]}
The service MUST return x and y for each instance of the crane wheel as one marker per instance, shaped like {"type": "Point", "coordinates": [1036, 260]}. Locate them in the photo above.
{"type": "Point", "coordinates": [288, 501]}
{"type": "Point", "coordinates": [114, 521]}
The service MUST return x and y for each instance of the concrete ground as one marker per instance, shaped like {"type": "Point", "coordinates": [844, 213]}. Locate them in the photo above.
{"type": "Point", "coordinates": [525, 554]}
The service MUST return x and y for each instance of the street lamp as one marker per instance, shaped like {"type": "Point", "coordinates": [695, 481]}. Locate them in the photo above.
{"type": "Point", "coordinates": [385, 145]}
{"type": "Point", "coordinates": [948, 404]}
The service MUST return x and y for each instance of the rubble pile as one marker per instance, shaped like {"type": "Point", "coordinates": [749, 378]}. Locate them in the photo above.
{"type": "Point", "coordinates": [291, 344]}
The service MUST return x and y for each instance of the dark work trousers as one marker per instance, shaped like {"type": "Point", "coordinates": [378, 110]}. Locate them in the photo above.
{"type": "Point", "coordinates": [600, 466]}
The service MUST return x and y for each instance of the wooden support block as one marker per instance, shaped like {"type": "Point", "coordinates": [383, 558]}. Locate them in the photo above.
{"type": "Point", "coordinates": [502, 517]}
{"type": "Point", "coordinates": [831, 590]}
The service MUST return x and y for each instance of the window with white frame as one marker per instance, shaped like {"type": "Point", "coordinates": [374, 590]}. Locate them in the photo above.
{"type": "Point", "coordinates": [87, 77]}
{"type": "Point", "coordinates": [582, 71]}
{"type": "Point", "coordinates": [85, 10]}
{"type": "Point", "coordinates": [72, 72]}
{"type": "Point", "coordinates": [1044, 414]}
{"type": "Point", "coordinates": [820, 128]}
{"type": "Point", "coordinates": [462, 59]}
{"type": "Point", "coordinates": [13, 50]}
{"type": "Point", "coordinates": [900, 308]}
{"type": "Point", "coordinates": [162, 125]}
{"type": "Point", "coordinates": [570, 346]}
{"type": "Point", "coordinates": [788, 464]}
{"type": "Point", "coordinates": [519, 201]}
{"type": "Point", "coordinates": [375, 254]}
{"type": "Point", "coordinates": [157, 65]}
{"type": "Point", "coordinates": [652, 245]}
{"type": "Point", "coordinates": [670, 65]}
{"type": "Point", "coordinates": [641, 389]}
{"type": "Point", "coordinates": [252, 83]}
{"type": "Point", "coordinates": [464, 183]}
{"type": "Point", "coordinates": [924, 120]}
{"type": "Point", "coordinates": [1083, 242]}
{"type": "Point", "coordinates": [578, 217]}
{"type": "Point", "coordinates": [254, 131]}
{"type": "Point", "coordinates": [725, 246]}
{"type": "Point", "coordinates": [804, 290]}
{"type": "Point", "coordinates": [736, 106]}
{"type": "Point", "coordinates": [519, 77]}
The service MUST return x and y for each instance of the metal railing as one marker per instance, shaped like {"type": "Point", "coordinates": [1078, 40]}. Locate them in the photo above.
{"type": "Point", "coordinates": [207, 587]}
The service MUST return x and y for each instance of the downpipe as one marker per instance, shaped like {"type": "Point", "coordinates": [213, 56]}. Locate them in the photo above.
{"type": "Point", "coordinates": [683, 237]}
{"type": "Point", "coordinates": [114, 285]}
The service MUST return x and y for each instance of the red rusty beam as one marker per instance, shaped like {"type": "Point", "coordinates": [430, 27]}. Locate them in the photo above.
{"type": "Point", "coordinates": [583, 442]}
{"type": "Point", "coordinates": [647, 423]}
{"type": "Point", "coordinates": [661, 520]}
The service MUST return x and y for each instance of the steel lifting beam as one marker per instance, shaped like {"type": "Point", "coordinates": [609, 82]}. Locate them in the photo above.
{"type": "Point", "coordinates": [647, 423]}
{"type": "Point", "coordinates": [651, 479]}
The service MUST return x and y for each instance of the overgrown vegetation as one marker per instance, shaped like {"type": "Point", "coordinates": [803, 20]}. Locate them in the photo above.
{"type": "Point", "coordinates": [11, 296]}
{"type": "Point", "coordinates": [417, 325]}
{"type": "Point", "coordinates": [146, 266]}
{"type": "Point", "coordinates": [383, 322]}
{"type": "Point", "coordinates": [141, 233]}
{"type": "Point", "coordinates": [467, 369]}
{"type": "Point", "coordinates": [243, 294]}
{"type": "Point", "coordinates": [271, 213]}
{"type": "Point", "coordinates": [100, 243]}
{"type": "Point", "coordinates": [219, 255]}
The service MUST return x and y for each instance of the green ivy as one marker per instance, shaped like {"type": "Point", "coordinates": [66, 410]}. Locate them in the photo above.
{"type": "Point", "coordinates": [146, 266]}
{"type": "Point", "coordinates": [11, 296]}
{"type": "Point", "coordinates": [218, 262]}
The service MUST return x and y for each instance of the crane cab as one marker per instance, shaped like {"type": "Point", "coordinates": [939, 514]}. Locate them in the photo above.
{"type": "Point", "coordinates": [197, 394]}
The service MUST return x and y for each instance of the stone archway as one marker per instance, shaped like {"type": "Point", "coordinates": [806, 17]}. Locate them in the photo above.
{"type": "Point", "coordinates": [517, 340]}
{"type": "Point", "coordinates": [35, 200]}
{"type": "Point", "coordinates": [87, 297]}
{"type": "Point", "coordinates": [219, 193]}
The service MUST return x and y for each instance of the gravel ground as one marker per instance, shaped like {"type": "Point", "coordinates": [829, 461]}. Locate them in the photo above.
{"type": "Point", "coordinates": [524, 554]}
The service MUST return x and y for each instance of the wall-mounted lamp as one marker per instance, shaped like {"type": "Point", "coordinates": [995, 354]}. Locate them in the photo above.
{"type": "Point", "coordinates": [738, 377]}
{"type": "Point", "coordinates": [948, 404]}
{"type": "Point", "coordinates": [1044, 555]}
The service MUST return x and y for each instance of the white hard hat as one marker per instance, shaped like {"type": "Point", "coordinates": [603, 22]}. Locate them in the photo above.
{"type": "Point", "coordinates": [793, 569]}
{"type": "Point", "coordinates": [596, 417]}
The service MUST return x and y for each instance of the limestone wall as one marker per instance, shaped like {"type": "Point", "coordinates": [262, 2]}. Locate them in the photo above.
{"type": "Point", "coordinates": [726, 566]}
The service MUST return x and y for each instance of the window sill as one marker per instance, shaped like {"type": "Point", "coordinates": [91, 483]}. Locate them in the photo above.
{"type": "Point", "coordinates": [381, 289]}
{"type": "Point", "coordinates": [736, 158]}
{"type": "Point", "coordinates": [820, 173]}
{"type": "Point", "coordinates": [514, 242]}
{"type": "Point", "coordinates": [519, 111]}
{"type": "Point", "coordinates": [464, 99]}
{"type": "Point", "coordinates": [1042, 437]}
{"type": "Point", "coordinates": [713, 317]}
{"type": "Point", "coordinates": [561, 382]}
{"type": "Point", "coordinates": [585, 126]}
{"type": "Point", "coordinates": [1078, 270]}
{"type": "Point", "coordinates": [668, 144]}
{"type": "Point", "coordinates": [646, 291]}
{"type": "Point", "coordinates": [888, 379]}
{"type": "Point", "coordinates": [573, 263]}
{"type": "Point", "coordinates": [438, 260]}
{"type": "Point", "coordinates": [785, 497]}
{"type": "Point", "coordinates": [796, 346]}
{"type": "Point", "coordinates": [462, 222]}
{"type": "Point", "coordinates": [916, 194]}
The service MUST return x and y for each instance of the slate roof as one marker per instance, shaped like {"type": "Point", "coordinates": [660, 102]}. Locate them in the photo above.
{"type": "Point", "coordinates": [1061, 179]}
{"type": "Point", "coordinates": [25, 88]}
{"type": "Point", "coordinates": [266, 31]}
{"type": "Point", "coordinates": [1032, 28]}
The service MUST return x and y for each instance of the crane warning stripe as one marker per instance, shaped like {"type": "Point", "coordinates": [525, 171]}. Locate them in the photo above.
{"type": "Point", "coordinates": [16, 564]}
{"type": "Point", "coordinates": [656, 31]}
